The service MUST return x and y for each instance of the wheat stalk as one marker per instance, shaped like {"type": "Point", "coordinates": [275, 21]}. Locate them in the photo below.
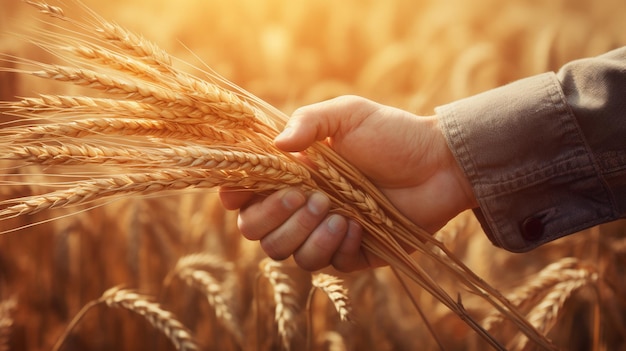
{"type": "Point", "coordinates": [528, 294]}
{"type": "Point", "coordinates": [133, 72]}
{"type": "Point", "coordinates": [419, 310]}
{"type": "Point", "coordinates": [287, 306]}
{"type": "Point", "coordinates": [198, 271]}
{"type": "Point", "coordinates": [217, 294]}
{"type": "Point", "coordinates": [159, 318]}
{"type": "Point", "coordinates": [336, 293]}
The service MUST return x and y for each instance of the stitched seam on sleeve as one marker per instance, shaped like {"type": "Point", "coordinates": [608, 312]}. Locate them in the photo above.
{"type": "Point", "coordinates": [558, 96]}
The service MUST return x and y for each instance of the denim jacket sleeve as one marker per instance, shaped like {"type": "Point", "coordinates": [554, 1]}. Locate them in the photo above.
{"type": "Point", "coordinates": [545, 155]}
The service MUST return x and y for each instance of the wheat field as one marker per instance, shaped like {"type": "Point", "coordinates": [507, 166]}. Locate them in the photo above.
{"type": "Point", "coordinates": [168, 269]}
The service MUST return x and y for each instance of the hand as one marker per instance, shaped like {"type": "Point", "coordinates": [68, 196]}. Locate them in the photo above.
{"type": "Point", "coordinates": [404, 155]}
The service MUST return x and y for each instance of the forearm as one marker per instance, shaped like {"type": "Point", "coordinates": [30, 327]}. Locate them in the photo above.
{"type": "Point", "coordinates": [545, 156]}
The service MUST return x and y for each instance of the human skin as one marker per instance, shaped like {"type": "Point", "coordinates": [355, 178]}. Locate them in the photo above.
{"type": "Point", "coordinates": [406, 156]}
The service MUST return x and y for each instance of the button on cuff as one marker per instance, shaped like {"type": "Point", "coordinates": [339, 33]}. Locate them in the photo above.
{"type": "Point", "coordinates": [532, 228]}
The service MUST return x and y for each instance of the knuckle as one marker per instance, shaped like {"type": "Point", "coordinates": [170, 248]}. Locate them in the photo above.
{"type": "Point", "coordinates": [343, 266]}
{"type": "Point", "coordinates": [274, 251]}
{"type": "Point", "coordinates": [246, 229]}
{"type": "Point", "coordinates": [308, 264]}
{"type": "Point", "coordinates": [350, 101]}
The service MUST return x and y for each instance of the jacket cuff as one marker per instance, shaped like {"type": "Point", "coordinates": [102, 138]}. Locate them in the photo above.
{"type": "Point", "coordinates": [531, 170]}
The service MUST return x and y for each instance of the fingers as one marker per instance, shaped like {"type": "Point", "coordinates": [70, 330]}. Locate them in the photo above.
{"type": "Point", "coordinates": [349, 255]}
{"type": "Point", "coordinates": [285, 239]}
{"type": "Point", "coordinates": [288, 223]}
{"type": "Point", "coordinates": [260, 218]}
{"type": "Point", "coordinates": [336, 241]}
{"type": "Point", "coordinates": [319, 247]}
{"type": "Point", "coordinates": [233, 199]}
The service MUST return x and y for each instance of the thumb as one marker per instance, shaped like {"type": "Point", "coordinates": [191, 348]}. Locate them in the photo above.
{"type": "Point", "coordinates": [306, 126]}
{"type": "Point", "coordinates": [319, 121]}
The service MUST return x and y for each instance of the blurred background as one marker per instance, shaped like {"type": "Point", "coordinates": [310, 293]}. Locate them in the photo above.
{"type": "Point", "coordinates": [411, 54]}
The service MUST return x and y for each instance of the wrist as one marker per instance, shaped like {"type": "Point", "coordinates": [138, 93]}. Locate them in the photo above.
{"type": "Point", "coordinates": [467, 198]}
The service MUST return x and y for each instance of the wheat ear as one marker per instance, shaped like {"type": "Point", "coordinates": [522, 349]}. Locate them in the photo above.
{"type": "Point", "coordinates": [529, 293]}
{"type": "Point", "coordinates": [544, 315]}
{"type": "Point", "coordinates": [217, 296]}
{"type": "Point", "coordinates": [161, 319]}
{"type": "Point", "coordinates": [6, 322]}
{"type": "Point", "coordinates": [336, 293]}
{"type": "Point", "coordinates": [333, 288]}
{"type": "Point", "coordinates": [287, 306]}
{"type": "Point", "coordinates": [199, 271]}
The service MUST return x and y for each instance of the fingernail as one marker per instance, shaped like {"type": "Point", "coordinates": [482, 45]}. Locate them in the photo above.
{"type": "Point", "coordinates": [293, 199]}
{"type": "Point", "coordinates": [318, 204]}
{"type": "Point", "coordinates": [336, 224]}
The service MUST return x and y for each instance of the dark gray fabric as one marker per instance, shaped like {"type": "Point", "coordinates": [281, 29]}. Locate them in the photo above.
{"type": "Point", "coordinates": [546, 155]}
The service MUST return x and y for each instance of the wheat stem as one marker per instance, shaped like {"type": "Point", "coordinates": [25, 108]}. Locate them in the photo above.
{"type": "Point", "coordinates": [419, 310]}
{"type": "Point", "coordinates": [73, 323]}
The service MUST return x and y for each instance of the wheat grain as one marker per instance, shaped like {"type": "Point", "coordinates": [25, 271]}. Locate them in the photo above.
{"type": "Point", "coordinates": [43, 7]}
